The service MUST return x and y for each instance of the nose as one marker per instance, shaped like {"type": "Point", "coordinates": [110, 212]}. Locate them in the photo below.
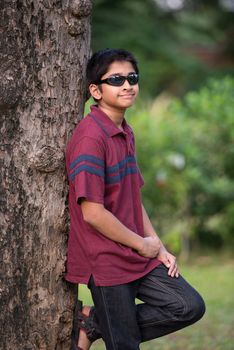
{"type": "Point", "coordinates": [126, 85]}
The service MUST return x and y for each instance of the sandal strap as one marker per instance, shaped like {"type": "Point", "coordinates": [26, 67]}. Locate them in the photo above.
{"type": "Point", "coordinates": [88, 324]}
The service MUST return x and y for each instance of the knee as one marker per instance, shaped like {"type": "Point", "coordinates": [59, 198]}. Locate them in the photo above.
{"type": "Point", "coordinates": [196, 308]}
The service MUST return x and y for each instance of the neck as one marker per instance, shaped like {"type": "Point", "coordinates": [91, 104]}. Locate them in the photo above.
{"type": "Point", "coordinates": [116, 115]}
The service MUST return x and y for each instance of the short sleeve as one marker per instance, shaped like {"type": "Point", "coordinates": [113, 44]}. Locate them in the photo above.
{"type": "Point", "coordinates": [87, 170]}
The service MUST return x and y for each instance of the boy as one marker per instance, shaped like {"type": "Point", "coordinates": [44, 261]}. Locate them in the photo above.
{"type": "Point", "coordinates": [112, 245]}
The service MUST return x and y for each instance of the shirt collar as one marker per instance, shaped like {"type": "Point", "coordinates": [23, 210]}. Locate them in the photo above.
{"type": "Point", "coordinates": [106, 124]}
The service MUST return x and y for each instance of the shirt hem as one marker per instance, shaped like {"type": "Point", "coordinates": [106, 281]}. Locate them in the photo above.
{"type": "Point", "coordinates": [76, 279]}
{"type": "Point", "coordinates": [113, 282]}
{"type": "Point", "coordinates": [100, 283]}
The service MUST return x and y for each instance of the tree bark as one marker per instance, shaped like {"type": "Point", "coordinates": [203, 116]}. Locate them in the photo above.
{"type": "Point", "coordinates": [44, 49]}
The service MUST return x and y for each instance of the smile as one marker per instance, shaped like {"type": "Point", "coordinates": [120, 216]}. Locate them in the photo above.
{"type": "Point", "coordinates": [127, 96]}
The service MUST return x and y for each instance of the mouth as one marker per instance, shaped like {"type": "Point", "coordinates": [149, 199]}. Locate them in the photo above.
{"type": "Point", "coordinates": [127, 96]}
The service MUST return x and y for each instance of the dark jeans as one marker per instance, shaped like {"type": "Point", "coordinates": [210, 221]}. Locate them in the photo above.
{"type": "Point", "coordinates": [169, 304]}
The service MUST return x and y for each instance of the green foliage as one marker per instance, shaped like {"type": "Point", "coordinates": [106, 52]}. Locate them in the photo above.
{"type": "Point", "coordinates": [176, 50]}
{"type": "Point", "coordinates": [186, 153]}
{"type": "Point", "coordinates": [210, 170]}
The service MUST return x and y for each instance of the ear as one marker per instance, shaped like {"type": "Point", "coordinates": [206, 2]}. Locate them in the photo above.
{"type": "Point", "coordinates": [95, 91]}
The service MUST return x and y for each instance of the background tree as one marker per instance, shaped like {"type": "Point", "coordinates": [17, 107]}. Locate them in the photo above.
{"type": "Point", "coordinates": [44, 49]}
{"type": "Point", "coordinates": [178, 43]}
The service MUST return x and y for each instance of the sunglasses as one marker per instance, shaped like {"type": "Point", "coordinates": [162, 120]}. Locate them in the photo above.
{"type": "Point", "coordinates": [119, 80]}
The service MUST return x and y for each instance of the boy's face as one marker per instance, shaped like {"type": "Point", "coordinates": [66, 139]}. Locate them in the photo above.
{"type": "Point", "coordinates": [118, 97]}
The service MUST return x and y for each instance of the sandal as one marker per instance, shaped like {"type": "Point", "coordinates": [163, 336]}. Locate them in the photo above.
{"type": "Point", "coordinates": [87, 323]}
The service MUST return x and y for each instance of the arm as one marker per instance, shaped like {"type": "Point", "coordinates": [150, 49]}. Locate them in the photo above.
{"type": "Point", "coordinates": [149, 231]}
{"type": "Point", "coordinates": [105, 222]}
{"type": "Point", "coordinates": [167, 259]}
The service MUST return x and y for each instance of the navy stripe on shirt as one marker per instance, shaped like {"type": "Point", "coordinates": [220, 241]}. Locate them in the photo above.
{"type": "Point", "coordinates": [89, 169]}
{"type": "Point", "coordinates": [117, 178]}
{"type": "Point", "coordinates": [87, 157]}
{"type": "Point", "coordinates": [125, 167]}
{"type": "Point", "coordinates": [117, 167]}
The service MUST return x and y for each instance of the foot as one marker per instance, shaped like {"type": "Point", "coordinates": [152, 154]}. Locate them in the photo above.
{"type": "Point", "coordinates": [84, 343]}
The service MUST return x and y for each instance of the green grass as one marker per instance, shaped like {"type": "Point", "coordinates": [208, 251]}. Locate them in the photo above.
{"type": "Point", "coordinates": [214, 279]}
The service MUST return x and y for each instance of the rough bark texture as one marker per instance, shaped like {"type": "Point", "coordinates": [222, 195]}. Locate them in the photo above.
{"type": "Point", "coordinates": [44, 47]}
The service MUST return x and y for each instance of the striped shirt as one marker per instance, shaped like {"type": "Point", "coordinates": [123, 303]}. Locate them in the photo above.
{"type": "Point", "coordinates": [102, 168]}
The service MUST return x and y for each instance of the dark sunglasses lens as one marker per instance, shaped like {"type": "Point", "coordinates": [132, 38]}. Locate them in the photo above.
{"type": "Point", "coordinates": [116, 80]}
{"type": "Point", "coordinates": [133, 79]}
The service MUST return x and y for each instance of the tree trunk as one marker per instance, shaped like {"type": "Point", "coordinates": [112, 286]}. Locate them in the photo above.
{"type": "Point", "coordinates": [44, 49]}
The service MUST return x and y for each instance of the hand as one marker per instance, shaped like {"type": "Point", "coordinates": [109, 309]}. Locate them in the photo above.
{"type": "Point", "coordinates": [150, 247]}
{"type": "Point", "coordinates": [169, 261]}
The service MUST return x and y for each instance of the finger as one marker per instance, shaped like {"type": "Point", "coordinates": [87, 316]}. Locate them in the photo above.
{"type": "Point", "coordinates": [167, 264]}
{"type": "Point", "coordinates": [176, 272]}
{"type": "Point", "coordinates": [172, 265]}
{"type": "Point", "coordinates": [172, 273]}
{"type": "Point", "coordinates": [173, 270]}
{"type": "Point", "coordinates": [170, 270]}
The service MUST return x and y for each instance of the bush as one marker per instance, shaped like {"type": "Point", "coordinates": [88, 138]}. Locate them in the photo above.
{"type": "Point", "coordinates": [185, 152]}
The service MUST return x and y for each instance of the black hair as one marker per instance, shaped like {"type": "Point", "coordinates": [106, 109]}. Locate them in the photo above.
{"type": "Point", "coordinates": [100, 61]}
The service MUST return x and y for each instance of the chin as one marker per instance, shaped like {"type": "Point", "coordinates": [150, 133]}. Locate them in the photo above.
{"type": "Point", "coordinates": [128, 103]}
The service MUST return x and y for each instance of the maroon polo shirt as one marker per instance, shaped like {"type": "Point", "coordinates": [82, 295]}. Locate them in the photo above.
{"type": "Point", "coordinates": [102, 168]}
